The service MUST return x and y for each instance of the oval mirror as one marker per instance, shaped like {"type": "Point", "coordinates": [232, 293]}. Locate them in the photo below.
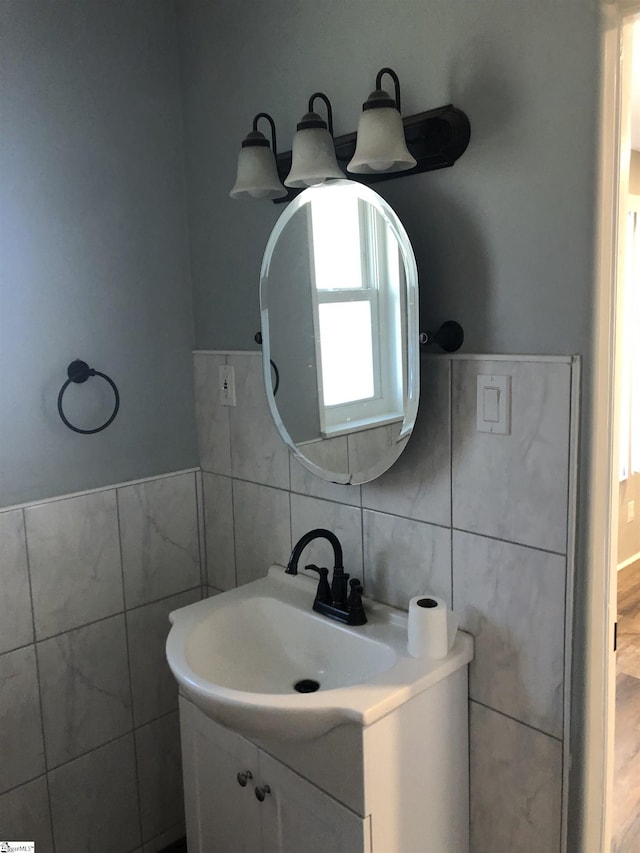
{"type": "Point", "coordinates": [339, 313]}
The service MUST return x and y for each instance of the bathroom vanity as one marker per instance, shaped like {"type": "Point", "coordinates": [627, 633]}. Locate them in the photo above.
{"type": "Point", "coordinates": [376, 759]}
{"type": "Point", "coordinates": [398, 786]}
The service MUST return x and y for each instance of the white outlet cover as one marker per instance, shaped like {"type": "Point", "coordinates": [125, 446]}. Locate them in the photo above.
{"type": "Point", "coordinates": [493, 413]}
{"type": "Point", "coordinates": [227, 385]}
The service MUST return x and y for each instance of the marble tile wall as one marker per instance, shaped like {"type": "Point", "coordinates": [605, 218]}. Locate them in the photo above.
{"type": "Point", "coordinates": [479, 519]}
{"type": "Point", "coordinates": [88, 707]}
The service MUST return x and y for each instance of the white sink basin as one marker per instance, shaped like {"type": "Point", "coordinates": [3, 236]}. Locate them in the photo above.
{"type": "Point", "coordinates": [262, 645]}
{"type": "Point", "coordinates": [239, 655]}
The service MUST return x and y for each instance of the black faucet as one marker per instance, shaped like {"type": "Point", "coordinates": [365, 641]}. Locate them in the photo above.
{"type": "Point", "coordinates": [301, 544]}
{"type": "Point", "coordinates": [331, 600]}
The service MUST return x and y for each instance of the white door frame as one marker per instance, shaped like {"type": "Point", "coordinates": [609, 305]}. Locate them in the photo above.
{"type": "Point", "coordinates": [602, 475]}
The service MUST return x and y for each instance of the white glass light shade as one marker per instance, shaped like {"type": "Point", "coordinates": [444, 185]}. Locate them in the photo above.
{"type": "Point", "coordinates": [380, 146]}
{"type": "Point", "coordinates": [257, 175]}
{"type": "Point", "coordinates": [313, 158]}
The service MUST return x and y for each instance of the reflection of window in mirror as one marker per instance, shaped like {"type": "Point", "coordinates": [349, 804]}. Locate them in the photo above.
{"type": "Point", "coordinates": [357, 291]}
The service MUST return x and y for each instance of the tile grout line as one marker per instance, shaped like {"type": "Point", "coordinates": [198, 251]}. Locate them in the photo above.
{"type": "Point", "coordinates": [19, 648]}
{"type": "Point", "coordinates": [453, 599]}
{"type": "Point", "coordinates": [509, 542]}
{"type": "Point", "coordinates": [227, 411]}
{"type": "Point", "coordinates": [46, 773]}
{"type": "Point", "coordinates": [111, 487]}
{"type": "Point", "coordinates": [450, 387]}
{"type": "Point", "coordinates": [404, 517]}
{"type": "Point", "coordinates": [233, 531]}
{"type": "Point", "coordinates": [180, 825]}
{"type": "Point", "coordinates": [126, 635]}
{"type": "Point", "coordinates": [24, 784]}
{"type": "Point", "coordinates": [200, 528]}
{"type": "Point", "coordinates": [233, 489]}
{"type": "Point", "coordinates": [93, 749]}
{"type": "Point", "coordinates": [100, 619]}
{"type": "Point", "coordinates": [397, 515]}
{"type": "Point", "coordinates": [539, 731]}
{"type": "Point", "coordinates": [37, 662]}
{"type": "Point", "coordinates": [296, 491]}
{"type": "Point", "coordinates": [291, 543]}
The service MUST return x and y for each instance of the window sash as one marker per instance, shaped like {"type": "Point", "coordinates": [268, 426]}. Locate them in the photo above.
{"type": "Point", "coordinates": [385, 404]}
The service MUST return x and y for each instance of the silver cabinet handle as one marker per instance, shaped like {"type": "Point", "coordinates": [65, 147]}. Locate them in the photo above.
{"type": "Point", "coordinates": [262, 791]}
{"type": "Point", "coordinates": [244, 777]}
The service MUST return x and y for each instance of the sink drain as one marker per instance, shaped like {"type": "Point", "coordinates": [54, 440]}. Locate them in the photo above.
{"type": "Point", "coordinates": [306, 685]}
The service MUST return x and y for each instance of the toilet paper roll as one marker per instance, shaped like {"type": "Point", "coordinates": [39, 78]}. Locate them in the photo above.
{"type": "Point", "coordinates": [431, 627]}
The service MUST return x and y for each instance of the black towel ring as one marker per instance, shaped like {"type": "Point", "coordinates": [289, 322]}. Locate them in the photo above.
{"type": "Point", "coordinates": [79, 371]}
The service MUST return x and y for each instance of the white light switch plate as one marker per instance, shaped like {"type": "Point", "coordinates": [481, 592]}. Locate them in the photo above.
{"type": "Point", "coordinates": [494, 404]}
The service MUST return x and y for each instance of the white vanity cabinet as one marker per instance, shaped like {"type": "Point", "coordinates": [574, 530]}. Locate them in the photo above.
{"type": "Point", "coordinates": [399, 785]}
{"type": "Point", "coordinates": [221, 814]}
{"type": "Point", "coordinates": [225, 816]}
{"type": "Point", "coordinates": [301, 818]}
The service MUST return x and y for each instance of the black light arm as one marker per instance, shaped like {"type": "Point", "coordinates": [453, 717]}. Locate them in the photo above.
{"type": "Point", "coordinates": [396, 83]}
{"type": "Point", "coordinates": [327, 102]}
{"type": "Point", "coordinates": [273, 130]}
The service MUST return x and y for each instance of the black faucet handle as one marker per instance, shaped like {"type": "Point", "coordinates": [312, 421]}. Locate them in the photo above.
{"type": "Point", "coordinates": [355, 608]}
{"type": "Point", "coordinates": [323, 593]}
{"type": "Point", "coordinates": [355, 592]}
{"type": "Point", "coordinates": [339, 587]}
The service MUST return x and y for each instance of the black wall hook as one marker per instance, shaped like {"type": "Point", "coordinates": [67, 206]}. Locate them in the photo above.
{"type": "Point", "coordinates": [449, 336]}
{"type": "Point", "coordinates": [79, 371]}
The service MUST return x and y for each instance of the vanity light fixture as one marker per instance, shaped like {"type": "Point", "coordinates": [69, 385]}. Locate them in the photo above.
{"type": "Point", "coordinates": [313, 154]}
{"type": "Point", "coordinates": [386, 146]}
{"type": "Point", "coordinates": [381, 146]}
{"type": "Point", "coordinates": [257, 175]}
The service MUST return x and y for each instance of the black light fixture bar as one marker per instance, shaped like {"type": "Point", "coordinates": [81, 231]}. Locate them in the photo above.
{"type": "Point", "coordinates": [436, 138]}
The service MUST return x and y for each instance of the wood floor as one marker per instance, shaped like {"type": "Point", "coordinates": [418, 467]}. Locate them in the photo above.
{"type": "Point", "coordinates": [626, 803]}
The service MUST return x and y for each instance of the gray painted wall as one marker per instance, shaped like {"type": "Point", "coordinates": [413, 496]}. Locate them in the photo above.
{"type": "Point", "coordinates": [503, 239]}
{"type": "Point", "coordinates": [93, 251]}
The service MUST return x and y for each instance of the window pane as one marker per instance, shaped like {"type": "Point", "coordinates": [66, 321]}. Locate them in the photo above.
{"type": "Point", "coordinates": [336, 240]}
{"type": "Point", "coordinates": [346, 351]}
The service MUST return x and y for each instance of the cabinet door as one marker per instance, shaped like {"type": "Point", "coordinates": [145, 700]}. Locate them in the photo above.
{"type": "Point", "coordinates": [297, 817]}
{"type": "Point", "coordinates": [222, 816]}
